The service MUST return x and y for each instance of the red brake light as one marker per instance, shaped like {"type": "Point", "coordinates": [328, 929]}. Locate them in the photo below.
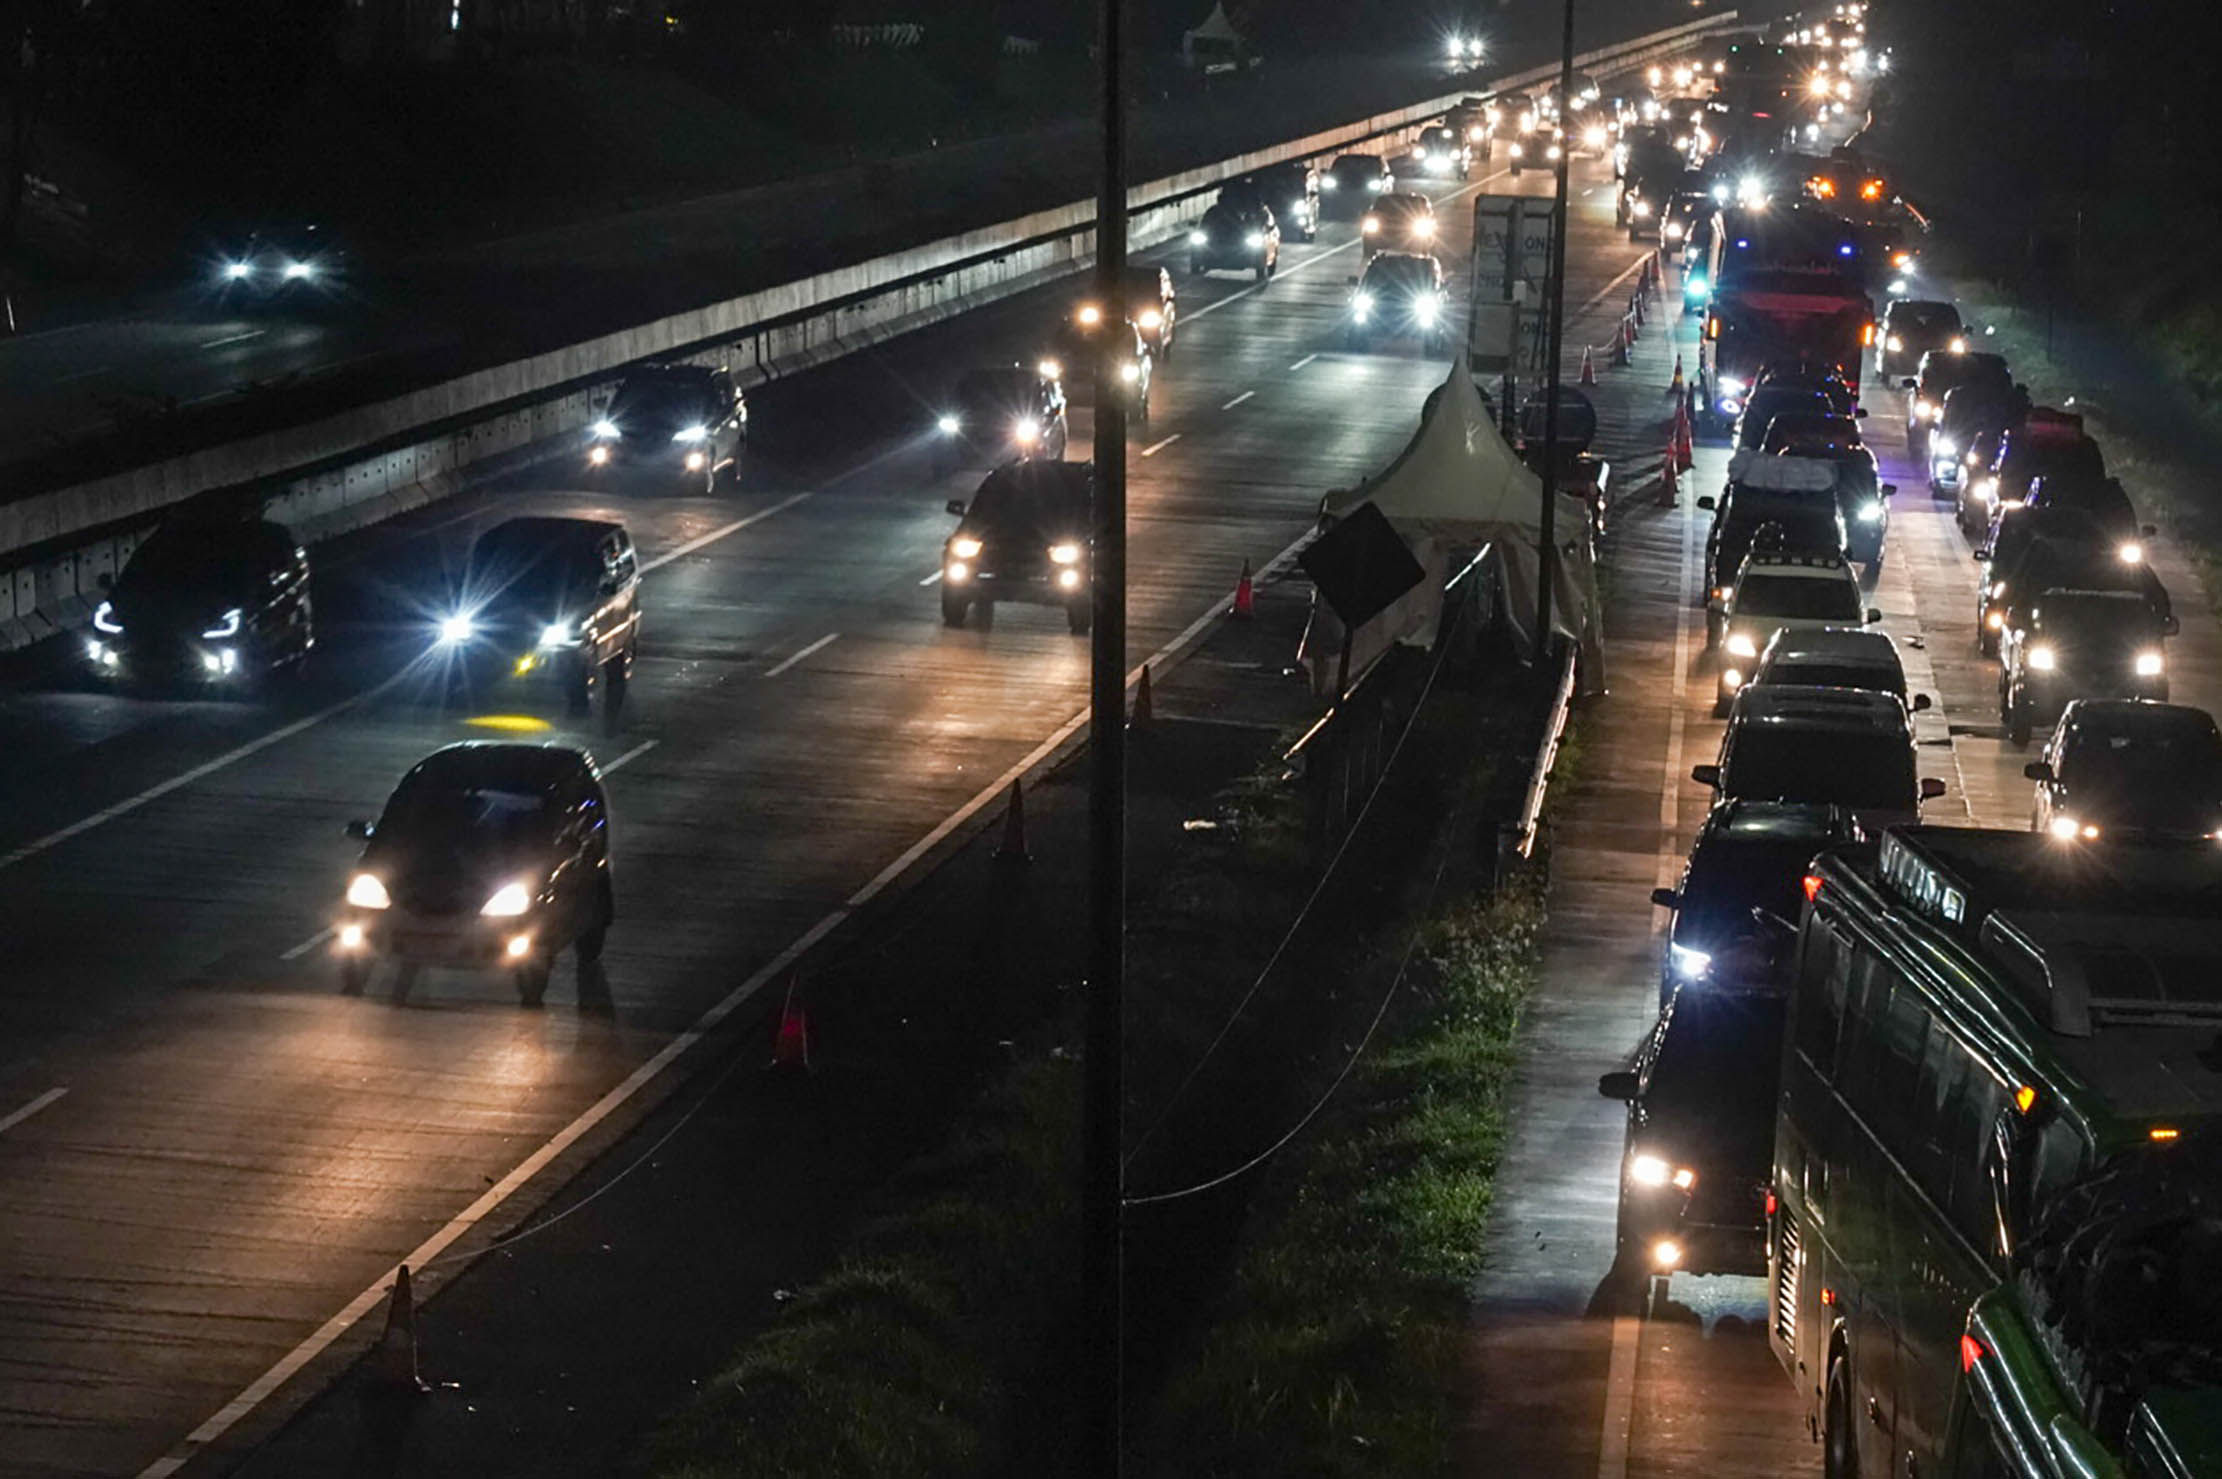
{"type": "Point", "coordinates": [1812, 887]}
{"type": "Point", "coordinates": [1971, 1351]}
{"type": "Point", "coordinates": [1771, 1204]}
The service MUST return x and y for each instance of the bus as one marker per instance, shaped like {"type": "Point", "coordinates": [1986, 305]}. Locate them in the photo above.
{"type": "Point", "coordinates": [1786, 292]}
{"type": "Point", "coordinates": [1994, 1234]}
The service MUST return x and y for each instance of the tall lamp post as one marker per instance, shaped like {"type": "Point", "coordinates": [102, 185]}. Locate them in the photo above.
{"type": "Point", "coordinates": [1547, 528]}
{"type": "Point", "coordinates": [1102, 1089]}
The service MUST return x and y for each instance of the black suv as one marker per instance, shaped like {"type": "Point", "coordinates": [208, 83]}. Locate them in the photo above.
{"type": "Point", "coordinates": [1911, 328]}
{"type": "Point", "coordinates": [1700, 1139]}
{"type": "Point", "coordinates": [1291, 190]}
{"type": "Point", "coordinates": [549, 597]}
{"type": "Point", "coordinates": [486, 856]}
{"type": "Point", "coordinates": [1145, 300]}
{"type": "Point", "coordinates": [1025, 536]}
{"type": "Point", "coordinates": [1352, 182]}
{"type": "Point", "coordinates": [1748, 855]}
{"type": "Point", "coordinates": [2119, 767]}
{"type": "Point", "coordinates": [997, 415]}
{"type": "Point", "coordinates": [1239, 232]}
{"type": "Point", "coordinates": [675, 422]}
{"type": "Point", "coordinates": [2079, 644]}
{"type": "Point", "coordinates": [1400, 293]}
{"type": "Point", "coordinates": [215, 601]}
{"type": "Point", "coordinates": [1941, 372]}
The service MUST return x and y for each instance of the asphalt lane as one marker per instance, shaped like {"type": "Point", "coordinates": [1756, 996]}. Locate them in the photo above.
{"type": "Point", "coordinates": [239, 1151]}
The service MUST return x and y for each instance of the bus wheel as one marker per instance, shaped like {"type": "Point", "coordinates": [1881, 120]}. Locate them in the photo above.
{"type": "Point", "coordinates": [1839, 1446]}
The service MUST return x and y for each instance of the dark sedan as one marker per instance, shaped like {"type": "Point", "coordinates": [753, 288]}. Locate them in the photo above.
{"type": "Point", "coordinates": [1025, 536]}
{"type": "Point", "coordinates": [671, 423]}
{"type": "Point", "coordinates": [1239, 231]}
{"type": "Point", "coordinates": [1352, 181]}
{"type": "Point", "coordinates": [217, 602]}
{"type": "Point", "coordinates": [2119, 768]}
{"type": "Point", "coordinates": [1291, 192]}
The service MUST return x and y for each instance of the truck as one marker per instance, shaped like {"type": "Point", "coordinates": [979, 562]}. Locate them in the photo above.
{"type": "Point", "coordinates": [1788, 293]}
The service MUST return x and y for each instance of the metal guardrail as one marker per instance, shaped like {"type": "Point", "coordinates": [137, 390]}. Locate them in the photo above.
{"type": "Point", "coordinates": [1521, 833]}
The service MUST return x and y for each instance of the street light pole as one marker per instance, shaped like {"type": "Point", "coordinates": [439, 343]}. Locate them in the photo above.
{"type": "Point", "coordinates": [1102, 1089]}
{"type": "Point", "coordinates": [1547, 530]}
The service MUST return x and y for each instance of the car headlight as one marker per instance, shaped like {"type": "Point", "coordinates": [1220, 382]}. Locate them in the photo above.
{"type": "Point", "coordinates": [2062, 827]}
{"type": "Point", "coordinates": [1423, 228]}
{"type": "Point", "coordinates": [965, 547]}
{"type": "Point", "coordinates": [2149, 665]}
{"type": "Point", "coordinates": [1370, 225]}
{"type": "Point", "coordinates": [1255, 241]}
{"type": "Point", "coordinates": [607, 430]}
{"type": "Point", "coordinates": [227, 625]}
{"type": "Point", "coordinates": [509, 901]}
{"type": "Point", "coordinates": [2130, 553]}
{"type": "Point", "coordinates": [1641, 209]}
{"type": "Point", "coordinates": [1870, 513]}
{"type": "Point", "coordinates": [1740, 644]}
{"type": "Point", "coordinates": [1091, 315]}
{"type": "Point", "coordinates": [1475, 133]}
{"type": "Point", "coordinates": [1923, 410]}
{"type": "Point", "coordinates": [1197, 238]}
{"type": "Point", "coordinates": [1958, 346]}
{"type": "Point", "coordinates": [1064, 554]}
{"type": "Point", "coordinates": [1649, 1170]}
{"type": "Point", "coordinates": [1049, 369]}
{"type": "Point", "coordinates": [1894, 344]}
{"type": "Point", "coordinates": [1360, 306]}
{"type": "Point", "coordinates": [949, 426]}
{"type": "Point", "coordinates": [558, 634]}
{"type": "Point", "coordinates": [1688, 964]}
{"type": "Point", "coordinates": [1552, 152]}
{"type": "Point", "coordinates": [1594, 137]}
{"type": "Point", "coordinates": [1426, 306]}
{"type": "Point", "coordinates": [1731, 385]}
{"type": "Point", "coordinates": [1131, 373]}
{"type": "Point", "coordinates": [2043, 658]}
{"type": "Point", "coordinates": [1377, 184]}
{"type": "Point", "coordinates": [457, 628]}
{"type": "Point", "coordinates": [1149, 318]}
{"type": "Point", "coordinates": [690, 433]}
{"type": "Point", "coordinates": [1025, 429]}
{"type": "Point", "coordinates": [1299, 206]}
{"type": "Point", "coordinates": [104, 618]}
{"type": "Point", "coordinates": [1329, 182]}
{"type": "Point", "coordinates": [1419, 156]}
{"type": "Point", "coordinates": [1517, 151]}
{"type": "Point", "coordinates": [1903, 261]}
{"type": "Point", "coordinates": [238, 271]}
{"type": "Point", "coordinates": [1674, 231]}
{"type": "Point", "coordinates": [298, 271]}
{"type": "Point", "coordinates": [1695, 286]}
{"type": "Point", "coordinates": [365, 891]}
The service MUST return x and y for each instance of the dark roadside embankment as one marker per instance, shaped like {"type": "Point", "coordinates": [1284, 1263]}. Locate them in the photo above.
{"type": "Point", "coordinates": [1369, 1057]}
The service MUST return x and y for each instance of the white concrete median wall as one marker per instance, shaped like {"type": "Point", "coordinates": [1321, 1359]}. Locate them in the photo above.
{"type": "Point", "coordinates": [354, 469]}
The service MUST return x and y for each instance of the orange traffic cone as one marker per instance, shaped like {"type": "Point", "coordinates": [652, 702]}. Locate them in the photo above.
{"type": "Point", "coordinates": [1245, 595]}
{"type": "Point", "coordinates": [1685, 453]}
{"type": "Point", "coordinates": [393, 1364]}
{"type": "Point", "coordinates": [1013, 847]}
{"type": "Point", "coordinates": [1620, 340]}
{"type": "Point", "coordinates": [1637, 305]}
{"type": "Point", "coordinates": [1675, 385]}
{"type": "Point", "coordinates": [791, 1043]}
{"type": "Point", "coordinates": [1589, 368]}
{"type": "Point", "coordinates": [1144, 710]}
{"type": "Point", "coordinates": [1670, 488]}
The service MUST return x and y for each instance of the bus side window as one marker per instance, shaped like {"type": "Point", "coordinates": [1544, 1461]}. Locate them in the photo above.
{"type": "Point", "coordinates": [1895, 1116]}
{"type": "Point", "coordinates": [1944, 1072]}
{"type": "Point", "coordinates": [2062, 1156]}
{"type": "Point", "coordinates": [1860, 1052]}
{"type": "Point", "coordinates": [1822, 975]}
{"type": "Point", "coordinates": [1973, 1155]}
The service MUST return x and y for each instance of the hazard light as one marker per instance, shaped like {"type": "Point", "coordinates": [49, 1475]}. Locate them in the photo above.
{"type": "Point", "coordinates": [1712, 326]}
{"type": "Point", "coordinates": [1812, 887]}
{"type": "Point", "coordinates": [1971, 1351]}
{"type": "Point", "coordinates": [1867, 334]}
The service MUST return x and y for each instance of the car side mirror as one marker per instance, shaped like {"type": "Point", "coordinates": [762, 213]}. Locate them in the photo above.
{"type": "Point", "coordinates": [1982, 552]}
{"type": "Point", "coordinates": [105, 581]}
{"type": "Point", "coordinates": [2170, 625]}
{"type": "Point", "coordinates": [2149, 531]}
{"type": "Point", "coordinates": [955, 507]}
{"type": "Point", "coordinates": [1351, 281]}
{"type": "Point", "coordinates": [1705, 500]}
{"type": "Point", "coordinates": [1859, 411]}
{"type": "Point", "coordinates": [1622, 1084]}
{"type": "Point", "coordinates": [1706, 775]}
{"type": "Point", "coordinates": [1890, 490]}
{"type": "Point", "coordinates": [1874, 614]}
{"type": "Point", "coordinates": [1666, 898]}
{"type": "Point", "coordinates": [1931, 788]}
{"type": "Point", "coordinates": [1922, 703]}
{"type": "Point", "coordinates": [2038, 770]}
{"type": "Point", "coordinates": [359, 829]}
{"type": "Point", "coordinates": [1909, 383]}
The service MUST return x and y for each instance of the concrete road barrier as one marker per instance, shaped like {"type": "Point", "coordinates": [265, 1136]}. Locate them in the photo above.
{"type": "Point", "coordinates": [378, 460]}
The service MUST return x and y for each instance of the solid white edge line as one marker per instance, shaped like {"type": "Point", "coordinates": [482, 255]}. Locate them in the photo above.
{"type": "Point", "coordinates": [1620, 1399]}
{"type": "Point", "coordinates": [30, 1109]}
{"type": "Point", "coordinates": [1156, 447]}
{"type": "Point", "coordinates": [1238, 400]}
{"type": "Point", "coordinates": [818, 646]}
{"type": "Point", "coordinates": [257, 1391]}
{"type": "Point", "coordinates": [232, 757]}
{"type": "Point", "coordinates": [232, 339]}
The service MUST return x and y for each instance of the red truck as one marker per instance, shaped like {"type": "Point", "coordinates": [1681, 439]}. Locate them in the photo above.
{"type": "Point", "coordinates": [1787, 292]}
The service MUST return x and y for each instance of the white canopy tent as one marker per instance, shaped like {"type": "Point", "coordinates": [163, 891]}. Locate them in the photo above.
{"type": "Point", "coordinates": [1214, 40]}
{"type": "Point", "coordinates": [1456, 486]}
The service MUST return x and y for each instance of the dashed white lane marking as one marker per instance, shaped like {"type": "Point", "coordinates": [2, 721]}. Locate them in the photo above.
{"type": "Point", "coordinates": [1307, 359]}
{"type": "Point", "coordinates": [1156, 447]}
{"type": "Point", "coordinates": [931, 579]}
{"type": "Point", "coordinates": [1238, 400]}
{"type": "Point", "coordinates": [818, 646]}
{"type": "Point", "coordinates": [232, 757]}
{"type": "Point", "coordinates": [636, 752]}
{"type": "Point", "coordinates": [30, 1109]}
{"type": "Point", "coordinates": [239, 338]}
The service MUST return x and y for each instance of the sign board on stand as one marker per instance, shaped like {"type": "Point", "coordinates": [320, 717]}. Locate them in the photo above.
{"type": "Point", "coordinates": [1511, 281]}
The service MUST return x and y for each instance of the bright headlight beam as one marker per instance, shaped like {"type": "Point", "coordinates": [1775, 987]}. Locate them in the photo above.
{"type": "Point", "coordinates": [508, 901]}
{"type": "Point", "coordinates": [366, 891]}
{"type": "Point", "coordinates": [227, 625]}
{"type": "Point", "coordinates": [457, 628]}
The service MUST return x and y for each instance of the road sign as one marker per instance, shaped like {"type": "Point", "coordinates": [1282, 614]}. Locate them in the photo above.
{"type": "Point", "coordinates": [1511, 280]}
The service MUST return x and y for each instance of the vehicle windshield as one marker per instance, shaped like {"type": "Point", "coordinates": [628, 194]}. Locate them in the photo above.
{"type": "Point", "coordinates": [218, 564]}
{"type": "Point", "coordinates": [2179, 751]}
{"type": "Point", "coordinates": [986, 392]}
{"type": "Point", "coordinates": [660, 400]}
{"type": "Point", "coordinates": [447, 814]}
{"type": "Point", "coordinates": [1810, 428]}
{"type": "Point", "coordinates": [1047, 507]}
{"type": "Point", "coordinates": [1856, 768]}
{"type": "Point", "coordinates": [1399, 209]}
{"type": "Point", "coordinates": [1798, 597]}
{"type": "Point", "coordinates": [1924, 318]}
{"type": "Point", "coordinates": [1822, 673]}
{"type": "Point", "coordinates": [1731, 875]}
{"type": "Point", "coordinates": [521, 570]}
{"type": "Point", "coordinates": [1357, 168]}
{"type": "Point", "coordinates": [1770, 405]}
{"type": "Point", "coordinates": [1387, 275]}
{"type": "Point", "coordinates": [2104, 621]}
